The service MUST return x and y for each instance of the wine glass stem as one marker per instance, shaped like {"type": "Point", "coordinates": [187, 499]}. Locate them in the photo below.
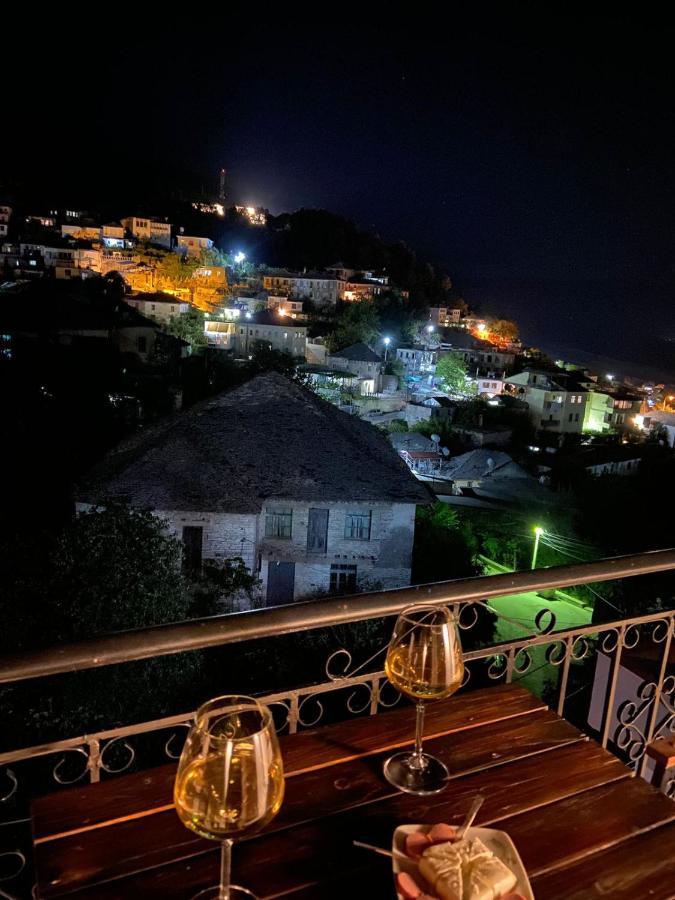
{"type": "Point", "coordinates": [418, 760]}
{"type": "Point", "coordinates": [225, 866]}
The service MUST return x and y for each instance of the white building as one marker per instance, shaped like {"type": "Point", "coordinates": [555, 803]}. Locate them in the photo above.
{"type": "Point", "coordinates": [552, 407]}
{"type": "Point", "coordinates": [313, 500]}
{"type": "Point", "coordinates": [416, 360]}
{"type": "Point", "coordinates": [321, 288]}
{"type": "Point", "coordinates": [144, 228]}
{"type": "Point", "coordinates": [444, 316]}
{"type": "Point", "coordinates": [191, 245]}
{"type": "Point", "coordinates": [246, 333]}
{"type": "Point", "coordinates": [161, 307]}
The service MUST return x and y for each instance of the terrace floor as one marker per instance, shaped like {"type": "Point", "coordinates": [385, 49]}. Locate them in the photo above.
{"type": "Point", "coordinates": [584, 826]}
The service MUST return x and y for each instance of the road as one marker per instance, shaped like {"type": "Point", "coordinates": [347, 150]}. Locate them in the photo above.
{"type": "Point", "coordinates": [523, 609]}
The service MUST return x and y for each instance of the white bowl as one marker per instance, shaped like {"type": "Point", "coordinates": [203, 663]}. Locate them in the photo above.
{"type": "Point", "coordinates": [497, 841]}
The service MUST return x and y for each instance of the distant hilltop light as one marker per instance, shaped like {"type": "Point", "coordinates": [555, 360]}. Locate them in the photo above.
{"type": "Point", "coordinates": [256, 215]}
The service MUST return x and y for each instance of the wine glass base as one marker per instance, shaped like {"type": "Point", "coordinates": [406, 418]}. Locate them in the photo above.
{"type": "Point", "coordinates": [236, 893]}
{"type": "Point", "coordinates": [431, 778]}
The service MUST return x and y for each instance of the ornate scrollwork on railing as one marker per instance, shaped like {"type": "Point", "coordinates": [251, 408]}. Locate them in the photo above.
{"type": "Point", "coordinates": [522, 661]}
{"type": "Point", "coordinates": [556, 653]}
{"type": "Point", "coordinates": [365, 688]}
{"type": "Point", "coordinates": [581, 647]}
{"type": "Point", "coordinates": [12, 785]}
{"type": "Point", "coordinates": [168, 752]}
{"type": "Point", "coordinates": [386, 686]}
{"type": "Point", "coordinates": [630, 734]}
{"type": "Point", "coordinates": [669, 788]}
{"type": "Point", "coordinates": [631, 637]}
{"type": "Point", "coordinates": [282, 722]}
{"type": "Point", "coordinates": [12, 864]}
{"type": "Point", "coordinates": [467, 617]}
{"type": "Point", "coordinates": [666, 727]}
{"type": "Point", "coordinates": [540, 622]}
{"type": "Point", "coordinates": [497, 668]}
{"type": "Point", "coordinates": [56, 771]}
{"type": "Point", "coordinates": [117, 744]}
{"type": "Point", "coordinates": [310, 723]}
{"type": "Point", "coordinates": [346, 658]}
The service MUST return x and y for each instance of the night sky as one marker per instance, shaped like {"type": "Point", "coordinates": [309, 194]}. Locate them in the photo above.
{"type": "Point", "coordinates": [532, 157]}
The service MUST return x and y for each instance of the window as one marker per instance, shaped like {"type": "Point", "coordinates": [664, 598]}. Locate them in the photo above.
{"type": "Point", "coordinates": [192, 547]}
{"type": "Point", "coordinates": [142, 344]}
{"type": "Point", "coordinates": [357, 526]}
{"type": "Point", "coordinates": [278, 522]}
{"type": "Point", "coordinates": [570, 417]}
{"type": "Point", "coordinates": [342, 579]}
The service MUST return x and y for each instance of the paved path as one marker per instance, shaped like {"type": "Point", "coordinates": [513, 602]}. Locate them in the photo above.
{"type": "Point", "coordinates": [524, 609]}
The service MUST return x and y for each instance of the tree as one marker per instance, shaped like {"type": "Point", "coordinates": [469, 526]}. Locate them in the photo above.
{"type": "Point", "coordinates": [505, 330]}
{"type": "Point", "coordinates": [189, 326]}
{"type": "Point", "coordinates": [356, 322]}
{"type": "Point", "coordinates": [444, 549]}
{"type": "Point", "coordinates": [174, 270]}
{"type": "Point", "coordinates": [451, 370]}
{"type": "Point", "coordinates": [266, 359]}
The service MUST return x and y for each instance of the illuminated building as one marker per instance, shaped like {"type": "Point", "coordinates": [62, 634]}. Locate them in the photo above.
{"type": "Point", "coordinates": [444, 316]}
{"type": "Point", "coordinates": [319, 287]}
{"type": "Point", "coordinates": [155, 231]}
{"type": "Point", "coordinates": [191, 245]}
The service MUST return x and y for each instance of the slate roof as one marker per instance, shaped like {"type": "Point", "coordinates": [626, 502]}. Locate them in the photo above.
{"type": "Point", "coordinates": [360, 352]}
{"type": "Point", "coordinates": [410, 440]}
{"type": "Point", "coordinates": [475, 464]}
{"type": "Point", "coordinates": [267, 439]}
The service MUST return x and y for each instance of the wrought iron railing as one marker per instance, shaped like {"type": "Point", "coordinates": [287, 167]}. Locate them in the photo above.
{"type": "Point", "coordinates": [615, 680]}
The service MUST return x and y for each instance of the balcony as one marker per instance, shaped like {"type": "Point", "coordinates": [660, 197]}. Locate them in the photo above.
{"type": "Point", "coordinates": [613, 681]}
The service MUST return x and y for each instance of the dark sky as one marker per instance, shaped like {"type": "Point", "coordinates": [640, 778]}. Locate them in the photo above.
{"type": "Point", "coordinates": [532, 156]}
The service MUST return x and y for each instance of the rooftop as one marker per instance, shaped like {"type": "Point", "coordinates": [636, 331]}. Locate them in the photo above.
{"type": "Point", "coordinates": [483, 463]}
{"type": "Point", "coordinates": [265, 440]}
{"type": "Point", "coordinates": [359, 352]}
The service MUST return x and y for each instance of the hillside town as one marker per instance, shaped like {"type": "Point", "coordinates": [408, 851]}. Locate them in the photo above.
{"type": "Point", "coordinates": [167, 323]}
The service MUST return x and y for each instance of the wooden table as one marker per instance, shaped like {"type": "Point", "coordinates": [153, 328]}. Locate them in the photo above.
{"type": "Point", "coordinates": [584, 827]}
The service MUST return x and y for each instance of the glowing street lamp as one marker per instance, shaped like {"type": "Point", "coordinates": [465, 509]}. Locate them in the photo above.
{"type": "Point", "coordinates": [610, 377]}
{"type": "Point", "coordinates": [387, 341]}
{"type": "Point", "coordinates": [239, 257]}
{"type": "Point", "coordinates": [481, 327]}
{"type": "Point", "coordinates": [538, 531]}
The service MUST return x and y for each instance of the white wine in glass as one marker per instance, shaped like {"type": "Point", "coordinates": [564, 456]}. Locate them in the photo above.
{"type": "Point", "coordinates": [230, 779]}
{"type": "Point", "coordinates": [424, 662]}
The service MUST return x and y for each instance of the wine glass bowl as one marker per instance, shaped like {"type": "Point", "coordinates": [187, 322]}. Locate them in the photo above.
{"type": "Point", "coordinates": [424, 662]}
{"type": "Point", "coordinates": [230, 779]}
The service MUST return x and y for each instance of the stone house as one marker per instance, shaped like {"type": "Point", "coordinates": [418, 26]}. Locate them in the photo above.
{"type": "Point", "coordinates": [362, 362]}
{"type": "Point", "coordinates": [313, 500]}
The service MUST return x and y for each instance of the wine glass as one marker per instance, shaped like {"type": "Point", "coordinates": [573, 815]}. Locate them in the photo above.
{"type": "Point", "coordinates": [230, 779]}
{"type": "Point", "coordinates": [424, 662]}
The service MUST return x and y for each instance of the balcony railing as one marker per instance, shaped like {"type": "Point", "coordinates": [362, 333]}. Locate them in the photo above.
{"type": "Point", "coordinates": [614, 680]}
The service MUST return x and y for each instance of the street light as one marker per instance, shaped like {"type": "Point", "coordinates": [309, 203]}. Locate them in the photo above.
{"type": "Point", "coordinates": [538, 531]}
{"type": "Point", "coordinates": [239, 257]}
{"type": "Point", "coordinates": [387, 341]}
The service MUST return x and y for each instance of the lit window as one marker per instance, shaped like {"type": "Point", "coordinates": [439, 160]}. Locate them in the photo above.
{"type": "Point", "coordinates": [357, 526]}
{"type": "Point", "coordinates": [278, 523]}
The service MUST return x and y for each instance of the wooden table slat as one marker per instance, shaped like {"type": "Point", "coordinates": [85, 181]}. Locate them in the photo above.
{"type": "Point", "coordinates": [308, 854]}
{"type": "Point", "coordinates": [145, 842]}
{"type": "Point", "coordinates": [307, 750]}
{"type": "Point", "coordinates": [642, 868]}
